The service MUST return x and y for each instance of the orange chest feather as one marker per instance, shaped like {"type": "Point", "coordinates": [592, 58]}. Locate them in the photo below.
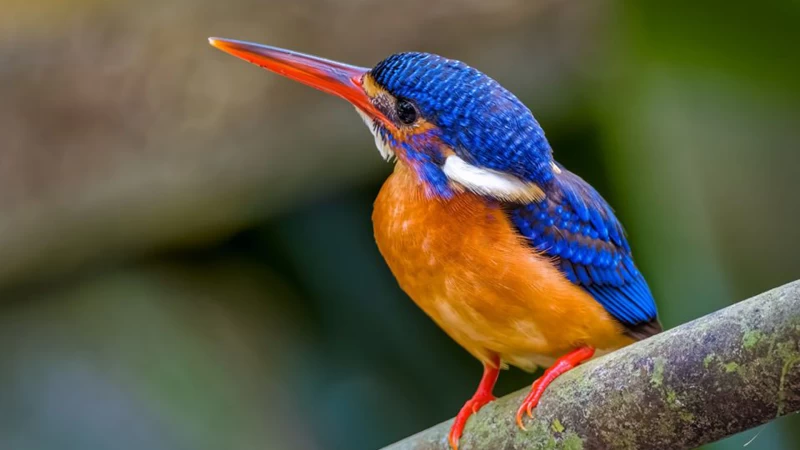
{"type": "Point", "coordinates": [464, 264]}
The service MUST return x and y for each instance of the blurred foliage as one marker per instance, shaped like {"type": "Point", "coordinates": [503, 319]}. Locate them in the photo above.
{"type": "Point", "coordinates": [188, 259]}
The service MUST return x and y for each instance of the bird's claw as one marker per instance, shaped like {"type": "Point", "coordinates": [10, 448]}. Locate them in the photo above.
{"type": "Point", "coordinates": [528, 404]}
{"type": "Point", "coordinates": [519, 420]}
{"type": "Point", "coordinates": [526, 408]}
{"type": "Point", "coordinates": [470, 407]}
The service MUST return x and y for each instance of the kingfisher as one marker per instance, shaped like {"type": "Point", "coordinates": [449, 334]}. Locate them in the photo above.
{"type": "Point", "coordinates": [517, 259]}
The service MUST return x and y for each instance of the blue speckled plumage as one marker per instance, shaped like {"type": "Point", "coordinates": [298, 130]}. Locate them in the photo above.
{"type": "Point", "coordinates": [481, 121]}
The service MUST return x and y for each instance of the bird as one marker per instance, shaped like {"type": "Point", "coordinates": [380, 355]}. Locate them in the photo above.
{"type": "Point", "coordinates": [517, 259]}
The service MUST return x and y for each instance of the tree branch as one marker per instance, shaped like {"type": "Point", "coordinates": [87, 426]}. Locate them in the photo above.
{"type": "Point", "coordinates": [718, 375]}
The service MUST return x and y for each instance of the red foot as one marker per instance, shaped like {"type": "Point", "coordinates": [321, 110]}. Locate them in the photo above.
{"type": "Point", "coordinates": [471, 407]}
{"type": "Point", "coordinates": [563, 364]}
{"type": "Point", "coordinates": [481, 397]}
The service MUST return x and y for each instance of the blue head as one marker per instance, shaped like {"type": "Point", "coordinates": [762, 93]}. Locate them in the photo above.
{"type": "Point", "coordinates": [457, 127]}
{"type": "Point", "coordinates": [458, 110]}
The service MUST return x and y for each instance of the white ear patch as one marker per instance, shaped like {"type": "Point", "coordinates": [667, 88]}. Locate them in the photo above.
{"type": "Point", "coordinates": [491, 182]}
{"type": "Point", "coordinates": [386, 152]}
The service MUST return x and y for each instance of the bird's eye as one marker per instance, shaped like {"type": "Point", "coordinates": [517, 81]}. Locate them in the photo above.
{"type": "Point", "coordinates": [406, 112]}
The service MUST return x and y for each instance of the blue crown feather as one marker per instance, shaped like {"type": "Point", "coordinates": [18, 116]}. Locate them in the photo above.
{"type": "Point", "coordinates": [484, 124]}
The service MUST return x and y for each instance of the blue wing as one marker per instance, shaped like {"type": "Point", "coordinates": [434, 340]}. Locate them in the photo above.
{"type": "Point", "coordinates": [576, 226]}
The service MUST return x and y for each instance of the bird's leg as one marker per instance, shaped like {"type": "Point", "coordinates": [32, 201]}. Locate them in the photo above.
{"type": "Point", "coordinates": [482, 396]}
{"type": "Point", "coordinates": [563, 364]}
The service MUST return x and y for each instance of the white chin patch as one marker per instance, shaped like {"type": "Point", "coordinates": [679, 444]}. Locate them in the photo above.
{"type": "Point", "coordinates": [490, 183]}
{"type": "Point", "coordinates": [386, 152]}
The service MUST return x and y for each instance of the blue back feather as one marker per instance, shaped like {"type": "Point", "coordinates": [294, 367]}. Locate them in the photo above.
{"type": "Point", "coordinates": [576, 226]}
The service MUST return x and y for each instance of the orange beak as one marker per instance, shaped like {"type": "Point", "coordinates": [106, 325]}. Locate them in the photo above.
{"type": "Point", "coordinates": [335, 78]}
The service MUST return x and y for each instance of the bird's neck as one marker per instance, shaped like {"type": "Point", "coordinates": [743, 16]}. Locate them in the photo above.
{"type": "Point", "coordinates": [405, 196]}
{"type": "Point", "coordinates": [415, 179]}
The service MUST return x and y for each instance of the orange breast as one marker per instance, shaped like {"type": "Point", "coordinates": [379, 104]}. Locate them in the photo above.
{"type": "Point", "coordinates": [464, 264]}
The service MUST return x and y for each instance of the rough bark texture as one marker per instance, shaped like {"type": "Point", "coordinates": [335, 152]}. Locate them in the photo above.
{"type": "Point", "coordinates": [718, 375]}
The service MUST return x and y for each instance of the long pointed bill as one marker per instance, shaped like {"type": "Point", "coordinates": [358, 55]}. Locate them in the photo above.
{"type": "Point", "coordinates": [335, 78]}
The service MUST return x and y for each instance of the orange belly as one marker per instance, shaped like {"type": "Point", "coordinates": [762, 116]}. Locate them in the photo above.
{"type": "Point", "coordinates": [464, 264]}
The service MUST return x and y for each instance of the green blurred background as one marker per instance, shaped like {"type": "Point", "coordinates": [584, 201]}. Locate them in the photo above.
{"type": "Point", "coordinates": [187, 253]}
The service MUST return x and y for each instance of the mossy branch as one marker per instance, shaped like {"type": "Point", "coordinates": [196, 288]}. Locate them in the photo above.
{"type": "Point", "coordinates": [718, 375]}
